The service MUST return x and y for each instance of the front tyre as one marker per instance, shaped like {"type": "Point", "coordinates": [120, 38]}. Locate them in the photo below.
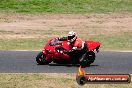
{"type": "Point", "coordinates": [40, 59]}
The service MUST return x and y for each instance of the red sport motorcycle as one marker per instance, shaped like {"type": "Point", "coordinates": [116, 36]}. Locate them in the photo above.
{"type": "Point", "coordinates": [53, 52]}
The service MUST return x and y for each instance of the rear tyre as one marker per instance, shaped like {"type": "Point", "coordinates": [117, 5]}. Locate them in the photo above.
{"type": "Point", "coordinates": [40, 59]}
{"type": "Point", "coordinates": [87, 59]}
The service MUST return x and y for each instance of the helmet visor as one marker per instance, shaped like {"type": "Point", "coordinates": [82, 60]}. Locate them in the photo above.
{"type": "Point", "coordinates": [71, 37]}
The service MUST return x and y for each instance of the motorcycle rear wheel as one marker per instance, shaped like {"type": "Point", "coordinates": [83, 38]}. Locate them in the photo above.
{"type": "Point", "coordinates": [40, 59]}
{"type": "Point", "coordinates": [87, 59]}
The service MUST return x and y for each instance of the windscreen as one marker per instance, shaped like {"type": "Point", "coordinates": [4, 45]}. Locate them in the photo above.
{"type": "Point", "coordinates": [54, 42]}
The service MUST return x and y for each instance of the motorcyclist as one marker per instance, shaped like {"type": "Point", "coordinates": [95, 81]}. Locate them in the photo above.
{"type": "Point", "coordinates": [78, 46]}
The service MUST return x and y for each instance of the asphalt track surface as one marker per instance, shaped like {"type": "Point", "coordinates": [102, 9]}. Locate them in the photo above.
{"type": "Point", "coordinates": [24, 62]}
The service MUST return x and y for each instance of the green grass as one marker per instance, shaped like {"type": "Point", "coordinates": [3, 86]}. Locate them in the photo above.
{"type": "Point", "coordinates": [121, 41]}
{"type": "Point", "coordinates": [32, 80]}
{"type": "Point", "coordinates": [65, 6]}
{"type": "Point", "coordinates": [22, 44]}
{"type": "Point", "coordinates": [4, 31]}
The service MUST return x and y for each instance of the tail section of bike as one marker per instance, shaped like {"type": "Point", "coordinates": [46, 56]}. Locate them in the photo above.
{"type": "Point", "coordinates": [92, 45]}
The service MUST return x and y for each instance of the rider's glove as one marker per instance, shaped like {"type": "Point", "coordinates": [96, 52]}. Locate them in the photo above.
{"type": "Point", "coordinates": [61, 52]}
{"type": "Point", "coordinates": [57, 50]}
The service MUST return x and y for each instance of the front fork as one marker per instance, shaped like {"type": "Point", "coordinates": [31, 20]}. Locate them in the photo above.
{"type": "Point", "coordinates": [44, 52]}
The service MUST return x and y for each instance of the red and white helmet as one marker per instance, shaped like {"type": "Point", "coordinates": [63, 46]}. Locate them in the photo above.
{"type": "Point", "coordinates": [72, 36]}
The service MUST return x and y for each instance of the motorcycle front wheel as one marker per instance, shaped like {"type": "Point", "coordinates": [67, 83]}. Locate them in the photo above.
{"type": "Point", "coordinates": [40, 59]}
